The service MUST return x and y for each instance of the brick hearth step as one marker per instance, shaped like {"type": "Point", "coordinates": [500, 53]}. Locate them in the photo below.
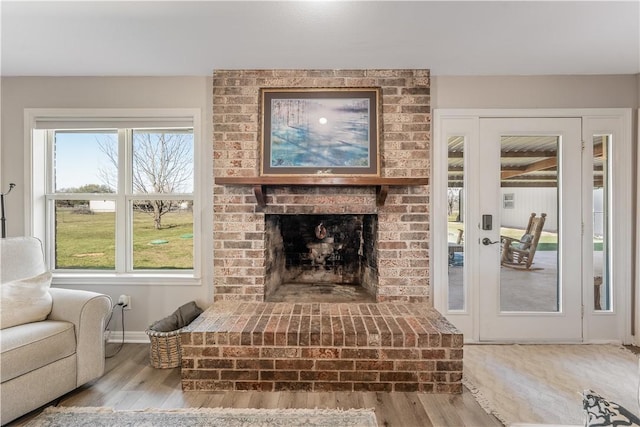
{"type": "Point", "coordinates": [322, 347]}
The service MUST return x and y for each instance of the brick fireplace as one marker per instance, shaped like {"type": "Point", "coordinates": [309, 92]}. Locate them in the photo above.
{"type": "Point", "coordinates": [403, 222]}
{"type": "Point", "coordinates": [390, 339]}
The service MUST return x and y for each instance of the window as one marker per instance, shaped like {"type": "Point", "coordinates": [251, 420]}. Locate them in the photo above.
{"type": "Point", "coordinates": [117, 195]}
{"type": "Point", "coordinates": [508, 201]}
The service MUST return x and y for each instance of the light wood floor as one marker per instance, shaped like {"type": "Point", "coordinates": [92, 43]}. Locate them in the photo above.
{"type": "Point", "coordinates": [130, 383]}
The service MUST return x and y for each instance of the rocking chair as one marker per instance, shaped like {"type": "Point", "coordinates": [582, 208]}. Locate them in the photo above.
{"type": "Point", "coordinates": [519, 253]}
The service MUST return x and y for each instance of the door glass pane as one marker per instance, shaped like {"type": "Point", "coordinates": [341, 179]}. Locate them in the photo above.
{"type": "Point", "coordinates": [529, 224]}
{"type": "Point", "coordinates": [601, 282]}
{"type": "Point", "coordinates": [162, 234]}
{"type": "Point", "coordinates": [85, 233]}
{"type": "Point", "coordinates": [455, 222]}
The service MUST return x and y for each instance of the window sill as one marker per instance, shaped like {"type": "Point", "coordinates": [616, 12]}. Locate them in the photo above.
{"type": "Point", "coordinates": [132, 279]}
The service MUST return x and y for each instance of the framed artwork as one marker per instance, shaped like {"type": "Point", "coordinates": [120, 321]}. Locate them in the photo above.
{"type": "Point", "coordinates": [331, 132]}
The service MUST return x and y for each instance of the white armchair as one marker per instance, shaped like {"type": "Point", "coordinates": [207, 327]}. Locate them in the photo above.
{"type": "Point", "coordinates": [51, 340]}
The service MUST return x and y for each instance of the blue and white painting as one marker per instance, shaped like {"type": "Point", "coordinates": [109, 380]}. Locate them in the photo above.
{"type": "Point", "coordinates": [320, 133]}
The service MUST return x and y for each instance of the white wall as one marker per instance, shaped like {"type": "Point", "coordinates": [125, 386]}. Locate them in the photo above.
{"type": "Point", "coordinates": [527, 201]}
{"type": "Point", "coordinates": [636, 266]}
{"type": "Point", "coordinates": [539, 200]}
{"type": "Point", "coordinates": [612, 91]}
{"type": "Point", "coordinates": [149, 302]}
{"type": "Point", "coordinates": [153, 302]}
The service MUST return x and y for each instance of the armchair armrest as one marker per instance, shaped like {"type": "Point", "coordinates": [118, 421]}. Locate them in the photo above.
{"type": "Point", "coordinates": [87, 311]}
{"type": "Point", "coordinates": [507, 246]}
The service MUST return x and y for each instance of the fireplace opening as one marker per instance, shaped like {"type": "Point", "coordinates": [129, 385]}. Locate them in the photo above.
{"type": "Point", "coordinates": [321, 258]}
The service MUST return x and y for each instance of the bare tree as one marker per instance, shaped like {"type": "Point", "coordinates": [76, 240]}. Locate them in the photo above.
{"type": "Point", "coordinates": [451, 199]}
{"type": "Point", "coordinates": [162, 164]}
{"type": "Point", "coordinates": [108, 173]}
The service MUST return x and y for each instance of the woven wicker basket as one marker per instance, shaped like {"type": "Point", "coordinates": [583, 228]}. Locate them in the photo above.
{"type": "Point", "coordinates": [165, 349]}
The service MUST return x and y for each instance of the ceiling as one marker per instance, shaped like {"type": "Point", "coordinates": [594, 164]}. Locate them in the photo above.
{"type": "Point", "coordinates": [163, 38]}
{"type": "Point", "coordinates": [527, 161]}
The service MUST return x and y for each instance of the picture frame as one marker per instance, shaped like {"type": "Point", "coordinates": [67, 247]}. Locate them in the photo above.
{"type": "Point", "coordinates": [313, 131]}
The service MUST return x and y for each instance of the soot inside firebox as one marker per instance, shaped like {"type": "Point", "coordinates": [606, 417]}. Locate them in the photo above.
{"type": "Point", "coordinates": [325, 258]}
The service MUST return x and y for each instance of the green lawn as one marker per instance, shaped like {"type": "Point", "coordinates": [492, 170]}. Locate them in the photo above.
{"type": "Point", "coordinates": [88, 241]}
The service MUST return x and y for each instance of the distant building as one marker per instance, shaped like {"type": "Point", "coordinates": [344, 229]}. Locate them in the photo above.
{"type": "Point", "coordinates": [98, 206]}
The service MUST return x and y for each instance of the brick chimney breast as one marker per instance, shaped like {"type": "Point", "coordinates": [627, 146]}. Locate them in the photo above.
{"type": "Point", "coordinates": [242, 259]}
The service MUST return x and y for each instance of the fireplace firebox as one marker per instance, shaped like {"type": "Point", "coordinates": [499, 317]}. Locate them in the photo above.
{"type": "Point", "coordinates": [322, 258]}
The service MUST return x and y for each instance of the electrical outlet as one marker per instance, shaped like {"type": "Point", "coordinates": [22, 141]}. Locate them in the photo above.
{"type": "Point", "coordinates": [126, 301]}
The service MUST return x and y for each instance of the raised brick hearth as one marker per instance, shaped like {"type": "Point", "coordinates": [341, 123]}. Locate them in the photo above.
{"type": "Point", "coordinates": [321, 347]}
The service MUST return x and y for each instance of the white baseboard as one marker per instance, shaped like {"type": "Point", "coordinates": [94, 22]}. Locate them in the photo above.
{"type": "Point", "coordinates": [139, 337]}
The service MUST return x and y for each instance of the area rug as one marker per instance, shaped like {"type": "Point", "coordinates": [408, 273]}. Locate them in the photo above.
{"type": "Point", "coordinates": [543, 383]}
{"type": "Point", "coordinates": [227, 417]}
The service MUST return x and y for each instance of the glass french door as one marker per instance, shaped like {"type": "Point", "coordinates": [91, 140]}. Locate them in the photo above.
{"type": "Point", "coordinates": [529, 228]}
{"type": "Point", "coordinates": [494, 172]}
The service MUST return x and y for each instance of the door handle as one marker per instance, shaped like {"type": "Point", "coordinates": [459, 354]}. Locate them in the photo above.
{"type": "Point", "coordinates": [486, 241]}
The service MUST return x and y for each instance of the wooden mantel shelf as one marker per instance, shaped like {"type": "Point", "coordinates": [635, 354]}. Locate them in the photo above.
{"type": "Point", "coordinates": [382, 184]}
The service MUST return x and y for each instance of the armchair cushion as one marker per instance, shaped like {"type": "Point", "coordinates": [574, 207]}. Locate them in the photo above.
{"type": "Point", "coordinates": [25, 300]}
{"type": "Point", "coordinates": [20, 257]}
{"type": "Point", "coordinates": [28, 347]}
{"type": "Point", "coordinates": [525, 242]}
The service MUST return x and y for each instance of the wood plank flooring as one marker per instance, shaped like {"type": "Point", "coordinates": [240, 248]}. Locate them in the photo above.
{"type": "Point", "coordinates": [131, 383]}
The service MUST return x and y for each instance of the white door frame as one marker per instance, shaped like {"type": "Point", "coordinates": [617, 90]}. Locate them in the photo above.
{"type": "Point", "coordinates": [612, 326]}
{"type": "Point", "coordinates": [495, 323]}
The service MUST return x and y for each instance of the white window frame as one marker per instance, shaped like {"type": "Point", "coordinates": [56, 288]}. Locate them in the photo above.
{"type": "Point", "coordinates": [38, 201]}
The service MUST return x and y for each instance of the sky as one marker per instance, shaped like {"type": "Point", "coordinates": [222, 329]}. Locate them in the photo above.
{"type": "Point", "coordinates": [79, 158]}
